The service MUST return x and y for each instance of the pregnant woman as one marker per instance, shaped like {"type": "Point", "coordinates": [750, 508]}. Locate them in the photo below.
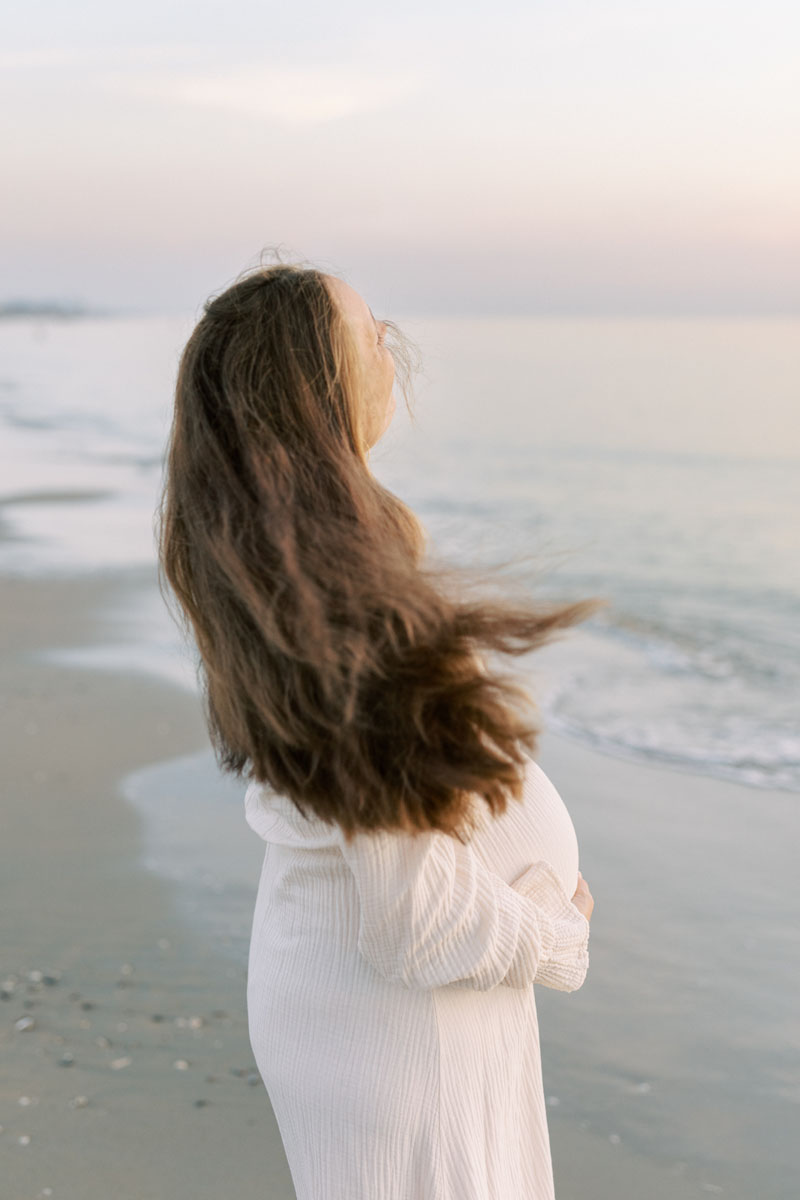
{"type": "Point", "coordinates": [420, 872]}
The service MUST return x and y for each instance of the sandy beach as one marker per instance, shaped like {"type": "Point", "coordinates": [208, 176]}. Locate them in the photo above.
{"type": "Point", "coordinates": [674, 1072]}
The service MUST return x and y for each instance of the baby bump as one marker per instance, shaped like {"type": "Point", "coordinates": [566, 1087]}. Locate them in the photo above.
{"type": "Point", "coordinates": [537, 827]}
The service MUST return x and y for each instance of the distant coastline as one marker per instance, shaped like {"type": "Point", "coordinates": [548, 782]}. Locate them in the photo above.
{"type": "Point", "coordinates": [49, 308]}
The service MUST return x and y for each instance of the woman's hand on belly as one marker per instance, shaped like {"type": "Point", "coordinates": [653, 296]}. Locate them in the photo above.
{"type": "Point", "coordinates": [582, 899]}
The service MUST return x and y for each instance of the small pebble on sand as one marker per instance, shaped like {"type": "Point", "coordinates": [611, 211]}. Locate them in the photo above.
{"type": "Point", "coordinates": [181, 1064]}
{"type": "Point", "coordinates": [79, 1102]}
{"type": "Point", "coordinates": [118, 1063]}
{"type": "Point", "coordinates": [24, 1139]}
{"type": "Point", "coordinates": [67, 1059]}
{"type": "Point", "coordinates": [200, 1103]}
{"type": "Point", "coordinates": [24, 1024]}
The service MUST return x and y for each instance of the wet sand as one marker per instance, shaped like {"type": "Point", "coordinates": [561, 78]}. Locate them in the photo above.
{"type": "Point", "coordinates": [674, 1072]}
{"type": "Point", "coordinates": [136, 1079]}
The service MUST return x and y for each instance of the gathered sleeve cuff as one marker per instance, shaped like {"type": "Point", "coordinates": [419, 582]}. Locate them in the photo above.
{"type": "Point", "coordinates": [564, 955]}
{"type": "Point", "coordinates": [430, 914]}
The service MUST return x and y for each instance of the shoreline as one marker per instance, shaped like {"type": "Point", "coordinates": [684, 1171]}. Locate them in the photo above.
{"type": "Point", "coordinates": [651, 1068]}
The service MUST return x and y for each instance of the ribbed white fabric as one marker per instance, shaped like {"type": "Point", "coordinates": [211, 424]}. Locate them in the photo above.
{"type": "Point", "coordinates": [390, 1002]}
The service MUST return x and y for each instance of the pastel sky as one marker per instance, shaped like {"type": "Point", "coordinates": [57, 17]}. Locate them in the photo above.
{"type": "Point", "coordinates": [565, 156]}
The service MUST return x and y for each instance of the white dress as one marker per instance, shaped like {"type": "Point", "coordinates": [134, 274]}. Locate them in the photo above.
{"type": "Point", "coordinates": [390, 1003]}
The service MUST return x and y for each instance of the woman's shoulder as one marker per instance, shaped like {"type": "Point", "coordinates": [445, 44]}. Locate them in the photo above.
{"type": "Point", "coordinates": [277, 819]}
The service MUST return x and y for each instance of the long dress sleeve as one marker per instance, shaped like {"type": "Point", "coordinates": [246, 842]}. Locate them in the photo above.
{"type": "Point", "coordinates": [431, 914]}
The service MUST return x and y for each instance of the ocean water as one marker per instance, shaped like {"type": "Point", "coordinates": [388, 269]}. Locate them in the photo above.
{"type": "Point", "coordinates": [654, 462]}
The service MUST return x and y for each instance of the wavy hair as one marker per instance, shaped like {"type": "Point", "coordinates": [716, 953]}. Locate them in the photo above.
{"type": "Point", "coordinates": [338, 663]}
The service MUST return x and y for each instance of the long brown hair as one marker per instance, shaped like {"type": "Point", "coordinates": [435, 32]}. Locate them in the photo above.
{"type": "Point", "coordinates": [338, 664]}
